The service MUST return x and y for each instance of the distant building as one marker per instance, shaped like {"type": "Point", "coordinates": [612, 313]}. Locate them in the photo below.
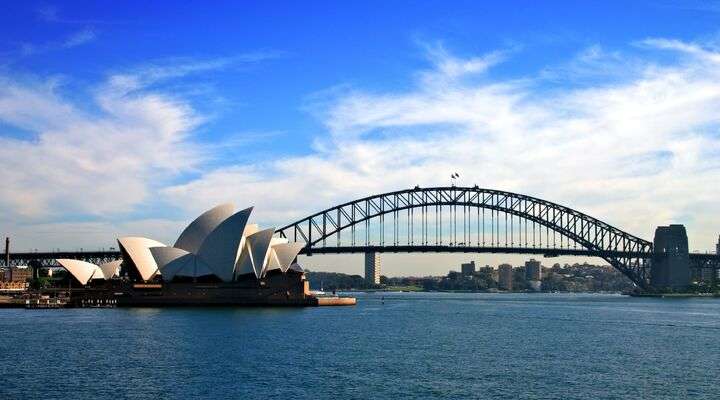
{"type": "Point", "coordinates": [372, 268]}
{"type": "Point", "coordinates": [505, 276]}
{"type": "Point", "coordinates": [453, 275]}
{"type": "Point", "coordinates": [707, 275]}
{"type": "Point", "coordinates": [467, 269]}
{"type": "Point", "coordinates": [17, 274]}
{"type": "Point", "coordinates": [532, 270]}
{"type": "Point", "coordinates": [717, 246]}
{"type": "Point", "coordinates": [488, 271]}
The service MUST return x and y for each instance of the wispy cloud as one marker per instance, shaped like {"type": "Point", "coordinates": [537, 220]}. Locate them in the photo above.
{"type": "Point", "coordinates": [170, 68]}
{"type": "Point", "coordinates": [693, 49]}
{"type": "Point", "coordinates": [73, 40]}
{"type": "Point", "coordinates": [109, 157]}
{"type": "Point", "coordinates": [88, 163]}
{"type": "Point", "coordinates": [638, 150]}
{"type": "Point", "coordinates": [52, 14]}
{"type": "Point", "coordinates": [449, 67]}
{"type": "Point", "coordinates": [79, 38]}
{"type": "Point", "coordinates": [48, 13]}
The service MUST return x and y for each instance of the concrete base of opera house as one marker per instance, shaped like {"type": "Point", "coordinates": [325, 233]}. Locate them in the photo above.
{"type": "Point", "coordinates": [282, 290]}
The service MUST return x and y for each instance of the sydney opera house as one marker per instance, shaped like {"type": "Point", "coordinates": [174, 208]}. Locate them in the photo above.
{"type": "Point", "coordinates": [219, 259]}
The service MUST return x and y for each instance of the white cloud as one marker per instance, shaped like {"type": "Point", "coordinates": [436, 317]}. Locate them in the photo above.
{"type": "Point", "coordinates": [79, 38]}
{"type": "Point", "coordinates": [636, 150]}
{"type": "Point", "coordinates": [75, 39]}
{"type": "Point", "coordinates": [81, 173]}
{"type": "Point", "coordinates": [448, 67]}
{"type": "Point", "coordinates": [90, 235]}
{"type": "Point", "coordinates": [100, 162]}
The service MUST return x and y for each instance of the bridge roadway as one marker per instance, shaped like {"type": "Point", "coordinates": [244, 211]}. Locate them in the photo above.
{"type": "Point", "coordinates": [455, 220]}
{"type": "Point", "coordinates": [697, 260]}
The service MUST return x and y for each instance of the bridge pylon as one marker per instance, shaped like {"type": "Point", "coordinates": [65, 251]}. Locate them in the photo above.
{"type": "Point", "coordinates": [670, 266]}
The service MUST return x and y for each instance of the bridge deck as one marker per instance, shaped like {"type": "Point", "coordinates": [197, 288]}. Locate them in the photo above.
{"type": "Point", "coordinates": [48, 258]}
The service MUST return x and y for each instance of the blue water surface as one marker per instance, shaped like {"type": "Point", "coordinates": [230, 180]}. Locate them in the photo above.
{"type": "Point", "coordinates": [389, 346]}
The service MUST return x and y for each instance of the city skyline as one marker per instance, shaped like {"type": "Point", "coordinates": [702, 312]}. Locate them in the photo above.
{"type": "Point", "coordinates": [619, 122]}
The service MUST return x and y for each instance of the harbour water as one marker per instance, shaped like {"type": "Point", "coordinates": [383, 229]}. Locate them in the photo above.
{"type": "Point", "coordinates": [389, 346]}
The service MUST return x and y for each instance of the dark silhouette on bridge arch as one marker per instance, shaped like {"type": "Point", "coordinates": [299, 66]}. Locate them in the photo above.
{"type": "Point", "coordinates": [535, 226]}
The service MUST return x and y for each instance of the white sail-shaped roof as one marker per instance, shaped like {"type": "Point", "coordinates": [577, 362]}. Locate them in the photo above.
{"type": "Point", "coordinates": [250, 229]}
{"type": "Point", "coordinates": [110, 269]}
{"type": "Point", "coordinates": [278, 240]}
{"type": "Point", "coordinates": [259, 244]}
{"type": "Point", "coordinates": [244, 263]}
{"type": "Point", "coordinates": [170, 260]}
{"type": "Point", "coordinates": [98, 274]}
{"type": "Point", "coordinates": [195, 268]}
{"type": "Point", "coordinates": [295, 267]}
{"type": "Point", "coordinates": [221, 247]}
{"type": "Point", "coordinates": [192, 238]}
{"type": "Point", "coordinates": [272, 262]}
{"type": "Point", "coordinates": [81, 270]}
{"type": "Point", "coordinates": [286, 253]}
{"type": "Point", "coordinates": [136, 252]}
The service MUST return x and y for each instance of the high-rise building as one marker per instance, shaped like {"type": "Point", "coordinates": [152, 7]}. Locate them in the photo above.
{"type": "Point", "coordinates": [372, 268]}
{"type": "Point", "coordinates": [532, 270]}
{"type": "Point", "coordinates": [7, 259]}
{"type": "Point", "coordinates": [717, 246]}
{"type": "Point", "coordinates": [505, 276]}
{"type": "Point", "coordinates": [467, 269]}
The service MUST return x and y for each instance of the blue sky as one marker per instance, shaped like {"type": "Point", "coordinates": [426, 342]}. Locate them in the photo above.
{"type": "Point", "coordinates": [129, 118]}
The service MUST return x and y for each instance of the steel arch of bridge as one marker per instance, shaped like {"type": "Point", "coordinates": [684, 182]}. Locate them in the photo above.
{"type": "Point", "coordinates": [627, 253]}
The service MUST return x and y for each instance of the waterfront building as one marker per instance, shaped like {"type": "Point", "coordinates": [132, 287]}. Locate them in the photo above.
{"type": "Point", "coordinates": [467, 269]}
{"type": "Point", "coordinates": [505, 276]}
{"type": "Point", "coordinates": [218, 245]}
{"type": "Point", "coordinates": [488, 271]}
{"type": "Point", "coordinates": [706, 275]}
{"type": "Point", "coordinates": [16, 274]}
{"type": "Point", "coordinates": [372, 268]}
{"type": "Point", "coordinates": [532, 270]}
{"type": "Point", "coordinates": [219, 259]}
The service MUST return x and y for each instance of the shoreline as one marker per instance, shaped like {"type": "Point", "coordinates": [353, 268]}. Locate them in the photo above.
{"type": "Point", "coordinates": [657, 295]}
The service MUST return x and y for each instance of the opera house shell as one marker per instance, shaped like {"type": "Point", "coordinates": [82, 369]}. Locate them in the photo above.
{"type": "Point", "coordinates": [220, 246]}
{"type": "Point", "coordinates": [85, 271]}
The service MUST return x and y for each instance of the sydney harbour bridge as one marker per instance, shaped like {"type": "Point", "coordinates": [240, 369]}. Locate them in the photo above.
{"type": "Point", "coordinates": [456, 219]}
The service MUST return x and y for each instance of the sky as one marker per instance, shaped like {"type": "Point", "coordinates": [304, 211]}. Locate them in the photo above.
{"type": "Point", "coordinates": [131, 118]}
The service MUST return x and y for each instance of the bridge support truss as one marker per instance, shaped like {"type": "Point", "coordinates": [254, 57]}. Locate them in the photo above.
{"type": "Point", "coordinates": [468, 219]}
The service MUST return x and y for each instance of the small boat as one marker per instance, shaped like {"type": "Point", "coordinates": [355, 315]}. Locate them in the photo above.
{"type": "Point", "coordinates": [320, 292]}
